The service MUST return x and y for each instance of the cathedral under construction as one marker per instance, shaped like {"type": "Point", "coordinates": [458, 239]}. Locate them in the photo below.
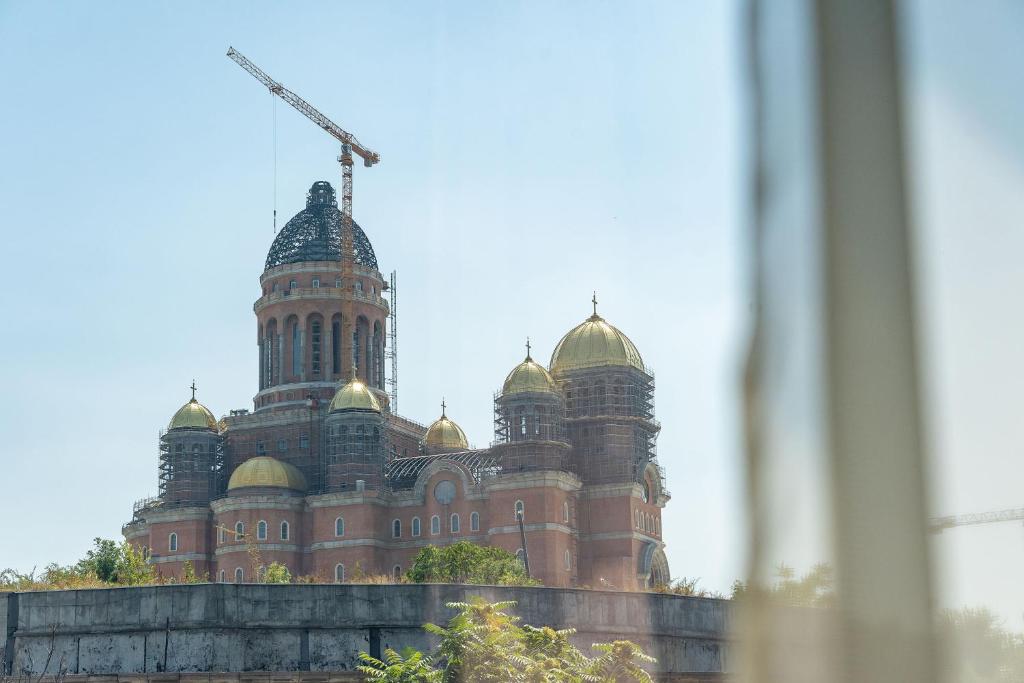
{"type": "Point", "coordinates": [324, 476]}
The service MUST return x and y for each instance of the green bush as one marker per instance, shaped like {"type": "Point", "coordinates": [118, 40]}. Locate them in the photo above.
{"type": "Point", "coordinates": [485, 643]}
{"type": "Point", "coordinates": [466, 562]}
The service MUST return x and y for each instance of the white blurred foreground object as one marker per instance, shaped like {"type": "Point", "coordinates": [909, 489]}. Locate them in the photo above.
{"type": "Point", "coordinates": [835, 457]}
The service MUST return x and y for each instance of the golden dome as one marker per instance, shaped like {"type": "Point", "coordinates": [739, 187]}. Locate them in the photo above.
{"type": "Point", "coordinates": [527, 378]}
{"type": "Point", "coordinates": [264, 471]}
{"type": "Point", "coordinates": [355, 396]}
{"type": "Point", "coordinates": [445, 434]}
{"type": "Point", "coordinates": [594, 343]}
{"type": "Point", "coordinates": [193, 415]}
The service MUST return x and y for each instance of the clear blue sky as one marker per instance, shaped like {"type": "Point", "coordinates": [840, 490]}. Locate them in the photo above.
{"type": "Point", "coordinates": [532, 152]}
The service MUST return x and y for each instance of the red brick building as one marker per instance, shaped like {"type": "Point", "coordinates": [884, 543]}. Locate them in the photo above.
{"type": "Point", "coordinates": [322, 476]}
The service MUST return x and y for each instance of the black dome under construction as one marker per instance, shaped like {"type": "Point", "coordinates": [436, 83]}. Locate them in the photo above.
{"type": "Point", "coordinates": [314, 234]}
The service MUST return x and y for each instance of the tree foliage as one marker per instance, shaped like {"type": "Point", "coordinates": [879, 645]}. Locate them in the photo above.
{"type": "Point", "coordinates": [409, 666]}
{"type": "Point", "coordinates": [816, 588]}
{"type": "Point", "coordinates": [484, 643]}
{"type": "Point", "coordinates": [276, 573]}
{"type": "Point", "coordinates": [108, 563]}
{"type": "Point", "coordinates": [466, 562]}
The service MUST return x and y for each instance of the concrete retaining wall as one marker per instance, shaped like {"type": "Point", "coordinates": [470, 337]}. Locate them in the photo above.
{"type": "Point", "coordinates": [319, 628]}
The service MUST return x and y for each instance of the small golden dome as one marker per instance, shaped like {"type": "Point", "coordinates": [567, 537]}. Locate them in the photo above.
{"type": "Point", "coordinates": [445, 434]}
{"type": "Point", "coordinates": [193, 415]}
{"type": "Point", "coordinates": [355, 396]}
{"type": "Point", "coordinates": [264, 471]}
{"type": "Point", "coordinates": [529, 377]}
{"type": "Point", "coordinates": [594, 343]}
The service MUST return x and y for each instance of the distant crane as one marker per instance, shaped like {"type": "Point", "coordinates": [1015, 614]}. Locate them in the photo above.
{"type": "Point", "coordinates": [939, 524]}
{"type": "Point", "coordinates": [349, 144]}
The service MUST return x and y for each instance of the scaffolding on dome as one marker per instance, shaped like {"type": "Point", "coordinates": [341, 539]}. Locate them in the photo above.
{"type": "Point", "coordinates": [610, 423]}
{"type": "Point", "coordinates": [355, 455]}
{"type": "Point", "coordinates": [314, 234]}
{"type": "Point", "coordinates": [529, 435]}
{"type": "Point", "coordinates": [190, 470]}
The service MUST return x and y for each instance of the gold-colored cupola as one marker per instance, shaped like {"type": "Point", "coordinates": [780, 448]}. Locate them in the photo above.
{"type": "Point", "coordinates": [445, 434]}
{"type": "Point", "coordinates": [594, 343]}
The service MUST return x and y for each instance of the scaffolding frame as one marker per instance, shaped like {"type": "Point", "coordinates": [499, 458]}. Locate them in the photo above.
{"type": "Point", "coordinates": [529, 433]}
{"type": "Point", "coordinates": [356, 452]}
{"type": "Point", "coordinates": [314, 234]}
{"type": "Point", "coordinates": [610, 423]}
{"type": "Point", "coordinates": [191, 467]}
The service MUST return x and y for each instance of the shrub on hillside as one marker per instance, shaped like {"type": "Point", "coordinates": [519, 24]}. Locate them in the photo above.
{"type": "Point", "coordinates": [466, 562]}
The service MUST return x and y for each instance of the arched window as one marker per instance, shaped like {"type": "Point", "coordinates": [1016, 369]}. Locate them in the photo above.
{"type": "Point", "coordinates": [415, 526]}
{"type": "Point", "coordinates": [396, 528]}
{"type": "Point", "coordinates": [296, 350]}
{"type": "Point", "coordinates": [568, 560]}
{"type": "Point", "coordinates": [315, 332]}
{"type": "Point", "coordinates": [336, 342]}
{"type": "Point", "coordinates": [337, 282]}
{"type": "Point", "coordinates": [239, 531]}
{"type": "Point", "coordinates": [316, 283]}
{"type": "Point", "coordinates": [520, 509]}
{"type": "Point", "coordinates": [261, 530]}
{"type": "Point", "coordinates": [474, 521]}
{"type": "Point", "coordinates": [520, 555]}
{"type": "Point", "coordinates": [454, 524]}
{"type": "Point", "coordinates": [239, 575]}
{"type": "Point", "coordinates": [397, 571]}
{"type": "Point", "coordinates": [221, 576]}
{"type": "Point", "coordinates": [339, 527]}
{"type": "Point", "coordinates": [292, 284]}
{"type": "Point", "coordinates": [284, 531]}
{"type": "Point", "coordinates": [220, 534]}
{"type": "Point", "coordinates": [172, 543]}
{"type": "Point", "coordinates": [435, 525]}
{"type": "Point", "coordinates": [339, 573]}
{"type": "Point", "coordinates": [565, 512]}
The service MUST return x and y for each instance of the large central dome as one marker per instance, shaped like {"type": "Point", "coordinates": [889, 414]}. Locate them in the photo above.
{"type": "Point", "coordinates": [314, 234]}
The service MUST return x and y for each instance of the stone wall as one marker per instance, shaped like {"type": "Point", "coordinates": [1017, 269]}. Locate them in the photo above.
{"type": "Point", "coordinates": [320, 628]}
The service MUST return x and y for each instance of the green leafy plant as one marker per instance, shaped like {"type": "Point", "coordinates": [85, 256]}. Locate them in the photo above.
{"type": "Point", "coordinates": [484, 642]}
{"type": "Point", "coordinates": [466, 562]}
{"type": "Point", "coordinates": [276, 573]}
{"type": "Point", "coordinates": [409, 666]}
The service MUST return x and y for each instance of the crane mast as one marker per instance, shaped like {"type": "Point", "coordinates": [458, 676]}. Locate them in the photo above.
{"type": "Point", "coordinates": [349, 145]}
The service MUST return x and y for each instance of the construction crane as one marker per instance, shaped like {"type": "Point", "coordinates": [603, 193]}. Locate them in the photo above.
{"type": "Point", "coordinates": [349, 145]}
{"type": "Point", "coordinates": [939, 524]}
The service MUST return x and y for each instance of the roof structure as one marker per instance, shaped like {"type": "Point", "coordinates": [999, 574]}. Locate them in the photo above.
{"type": "Point", "coordinates": [314, 234]}
{"type": "Point", "coordinates": [402, 473]}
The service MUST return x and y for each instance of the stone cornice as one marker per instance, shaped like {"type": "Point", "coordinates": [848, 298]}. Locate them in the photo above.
{"type": "Point", "coordinates": [244, 548]}
{"type": "Point", "coordinates": [180, 557]}
{"type": "Point", "coordinates": [538, 526]}
{"type": "Point", "coordinates": [235, 503]}
{"type": "Point", "coordinates": [163, 516]}
{"type": "Point", "coordinates": [565, 481]}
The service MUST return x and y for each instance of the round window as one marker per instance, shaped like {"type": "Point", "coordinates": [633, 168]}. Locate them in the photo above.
{"type": "Point", "coordinates": [444, 492]}
{"type": "Point", "coordinates": [647, 492]}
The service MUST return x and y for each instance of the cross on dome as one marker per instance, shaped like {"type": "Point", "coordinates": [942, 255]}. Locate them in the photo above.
{"type": "Point", "coordinates": [193, 387]}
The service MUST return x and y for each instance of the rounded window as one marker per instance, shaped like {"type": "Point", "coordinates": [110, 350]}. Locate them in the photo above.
{"type": "Point", "coordinates": [647, 492]}
{"type": "Point", "coordinates": [444, 492]}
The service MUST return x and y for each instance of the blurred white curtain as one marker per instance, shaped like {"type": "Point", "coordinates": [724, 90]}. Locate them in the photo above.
{"type": "Point", "coordinates": [835, 456]}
